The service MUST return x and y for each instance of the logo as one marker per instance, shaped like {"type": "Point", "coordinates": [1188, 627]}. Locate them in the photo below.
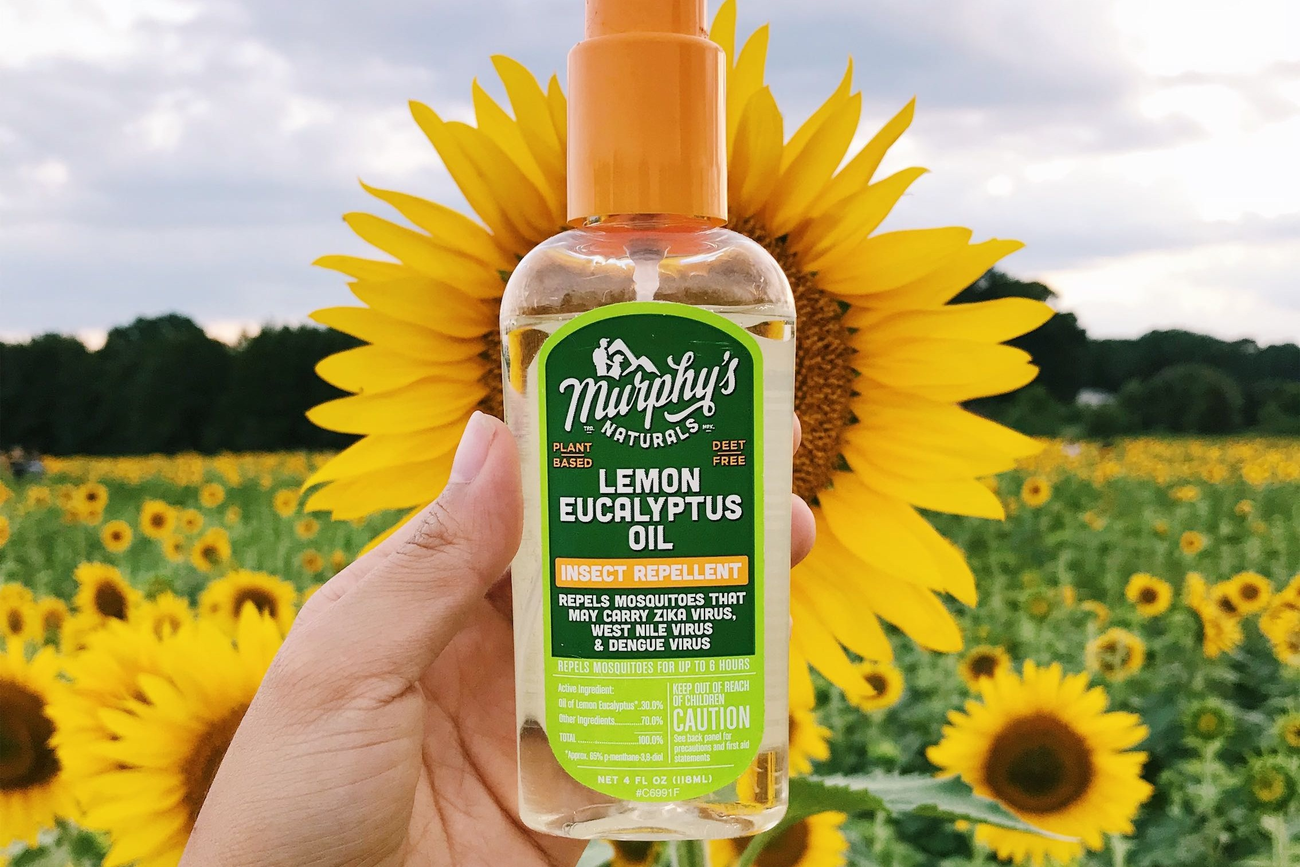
{"type": "Point", "coordinates": [636, 399]}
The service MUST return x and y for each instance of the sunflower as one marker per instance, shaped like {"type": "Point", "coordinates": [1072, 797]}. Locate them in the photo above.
{"type": "Point", "coordinates": [884, 361]}
{"type": "Point", "coordinates": [1195, 590]}
{"type": "Point", "coordinates": [51, 614]}
{"type": "Point", "coordinates": [5, 494]}
{"type": "Point", "coordinates": [1151, 596]}
{"type": "Point", "coordinates": [1038, 605]}
{"type": "Point", "coordinates": [4, 531]}
{"type": "Point", "coordinates": [1219, 632]}
{"type": "Point", "coordinates": [813, 842]}
{"type": "Point", "coordinates": [885, 682]}
{"type": "Point", "coordinates": [157, 519]}
{"type": "Point", "coordinates": [211, 495]}
{"type": "Point", "coordinates": [1223, 600]}
{"type": "Point", "coordinates": [1208, 720]}
{"type": "Point", "coordinates": [1046, 748]}
{"type": "Point", "coordinates": [1035, 492]}
{"type": "Point", "coordinates": [33, 789]}
{"type": "Point", "coordinates": [77, 629]}
{"type": "Point", "coordinates": [102, 591]}
{"type": "Point", "coordinates": [1270, 785]}
{"type": "Point", "coordinates": [210, 550]}
{"type": "Point", "coordinates": [234, 515]}
{"type": "Point", "coordinates": [312, 561]}
{"type": "Point", "coordinates": [983, 662]}
{"type": "Point", "coordinates": [173, 548]}
{"type": "Point", "coordinates": [1250, 592]}
{"type": "Point", "coordinates": [116, 536]}
{"type": "Point", "coordinates": [1191, 543]}
{"type": "Point", "coordinates": [1185, 494]}
{"type": "Point", "coordinates": [18, 620]}
{"type": "Point", "coordinates": [808, 740]}
{"type": "Point", "coordinates": [1288, 731]}
{"type": "Point", "coordinates": [1244, 508]}
{"type": "Point", "coordinates": [1160, 528]}
{"type": "Point", "coordinates": [1284, 633]}
{"type": "Point", "coordinates": [1099, 610]}
{"type": "Point", "coordinates": [166, 744]}
{"type": "Point", "coordinates": [190, 521]}
{"type": "Point", "coordinates": [635, 853]}
{"type": "Point", "coordinates": [1116, 654]}
{"type": "Point", "coordinates": [338, 560]}
{"type": "Point", "coordinates": [165, 614]}
{"type": "Point", "coordinates": [285, 502]}
{"type": "Point", "coordinates": [306, 528]}
{"type": "Point", "coordinates": [90, 499]}
{"type": "Point", "coordinates": [1095, 521]}
{"type": "Point", "coordinates": [13, 590]}
{"type": "Point", "coordinates": [224, 600]}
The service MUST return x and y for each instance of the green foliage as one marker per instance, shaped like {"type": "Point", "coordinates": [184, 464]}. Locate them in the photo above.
{"type": "Point", "coordinates": [161, 385]}
{"type": "Point", "coordinates": [1186, 398]}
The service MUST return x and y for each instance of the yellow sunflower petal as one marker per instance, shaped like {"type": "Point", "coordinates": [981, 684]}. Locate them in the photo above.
{"type": "Point", "coordinates": [859, 170]}
{"type": "Point", "coordinates": [942, 284]}
{"type": "Point", "coordinates": [373, 368]}
{"type": "Point", "coordinates": [496, 123]}
{"type": "Point", "coordinates": [989, 321]}
{"type": "Point", "coordinates": [809, 172]}
{"type": "Point", "coordinates": [847, 223]}
{"type": "Point", "coordinates": [447, 226]}
{"type": "Point", "coordinates": [946, 370]}
{"type": "Point", "coordinates": [529, 211]}
{"type": "Point", "coordinates": [362, 269]}
{"type": "Point", "coordinates": [396, 335]}
{"type": "Point", "coordinates": [822, 650]}
{"type": "Point", "coordinates": [558, 105]}
{"type": "Point", "coordinates": [533, 115]}
{"type": "Point", "coordinates": [884, 262]}
{"type": "Point", "coordinates": [423, 404]}
{"type": "Point", "coordinates": [723, 30]}
{"type": "Point", "coordinates": [429, 304]}
{"type": "Point", "coordinates": [380, 450]}
{"type": "Point", "coordinates": [804, 134]}
{"type": "Point", "coordinates": [746, 78]}
{"type": "Point", "coordinates": [755, 154]}
{"type": "Point", "coordinates": [427, 256]}
{"type": "Point", "coordinates": [399, 486]}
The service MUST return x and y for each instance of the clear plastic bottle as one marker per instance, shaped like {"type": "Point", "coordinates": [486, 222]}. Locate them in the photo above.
{"type": "Point", "coordinates": [648, 364]}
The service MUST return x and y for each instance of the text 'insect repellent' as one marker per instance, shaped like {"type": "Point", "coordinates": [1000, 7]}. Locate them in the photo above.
{"type": "Point", "coordinates": [648, 359]}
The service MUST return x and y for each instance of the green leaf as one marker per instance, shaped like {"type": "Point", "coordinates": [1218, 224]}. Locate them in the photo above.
{"type": "Point", "coordinates": [943, 798]}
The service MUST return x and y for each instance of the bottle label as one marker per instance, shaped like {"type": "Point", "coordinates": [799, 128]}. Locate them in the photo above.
{"type": "Point", "coordinates": [652, 511]}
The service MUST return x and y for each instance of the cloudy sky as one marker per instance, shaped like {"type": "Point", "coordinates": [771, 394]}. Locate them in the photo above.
{"type": "Point", "coordinates": [195, 155]}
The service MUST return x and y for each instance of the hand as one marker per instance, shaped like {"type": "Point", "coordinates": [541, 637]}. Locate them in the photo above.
{"type": "Point", "coordinates": [384, 732]}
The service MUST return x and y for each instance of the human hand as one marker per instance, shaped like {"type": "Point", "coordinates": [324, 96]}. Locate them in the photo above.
{"type": "Point", "coordinates": [384, 732]}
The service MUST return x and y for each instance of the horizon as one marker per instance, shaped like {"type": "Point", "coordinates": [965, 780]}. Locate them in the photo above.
{"type": "Point", "coordinates": [197, 155]}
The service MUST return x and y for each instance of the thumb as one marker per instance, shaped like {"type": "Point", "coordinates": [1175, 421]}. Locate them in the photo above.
{"type": "Point", "coordinates": [395, 621]}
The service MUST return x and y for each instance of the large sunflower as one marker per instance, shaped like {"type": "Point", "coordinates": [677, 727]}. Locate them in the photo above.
{"type": "Point", "coordinates": [167, 743]}
{"type": "Point", "coordinates": [883, 360]}
{"type": "Point", "coordinates": [33, 789]}
{"type": "Point", "coordinates": [103, 592]}
{"type": "Point", "coordinates": [1044, 745]}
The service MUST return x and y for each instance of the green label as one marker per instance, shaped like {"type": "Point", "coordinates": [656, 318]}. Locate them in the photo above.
{"type": "Point", "coordinates": [652, 549]}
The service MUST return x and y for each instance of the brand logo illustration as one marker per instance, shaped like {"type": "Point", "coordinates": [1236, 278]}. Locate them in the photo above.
{"type": "Point", "coordinates": [626, 384]}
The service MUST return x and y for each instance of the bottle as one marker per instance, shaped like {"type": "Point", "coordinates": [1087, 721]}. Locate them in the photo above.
{"type": "Point", "coordinates": [648, 370]}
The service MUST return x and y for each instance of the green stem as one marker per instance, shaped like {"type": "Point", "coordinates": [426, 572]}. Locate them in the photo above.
{"type": "Point", "coordinates": [1276, 827]}
{"type": "Point", "coordinates": [689, 853]}
{"type": "Point", "coordinates": [1118, 851]}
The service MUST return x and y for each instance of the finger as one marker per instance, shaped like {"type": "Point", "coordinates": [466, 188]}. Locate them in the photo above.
{"type": "Point", "coordinates": [798, 432]}
{"type": "Point", "coordinates": [401, 613]}
{"type": "Point", "coordinates": [803, 530]}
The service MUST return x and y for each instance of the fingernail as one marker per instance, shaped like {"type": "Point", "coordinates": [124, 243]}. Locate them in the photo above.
{"type": "Point", "coordinates": [473, 448]}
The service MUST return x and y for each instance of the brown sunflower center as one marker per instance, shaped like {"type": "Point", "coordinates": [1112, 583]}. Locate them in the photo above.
{"type": "Point", "coordinates": [15, 622]}
{"type": "Point", "coordinates": [823, 378]}
{"type": "Point", "coordinates": [1249, 592]}
{"type": "Point", "coordinates": [200, 767]}
{"type": "Point", "coordinates": [53, 620]}
{"type": "Point", "coordinates": [983, 665]}
{"type": "Point", "coordinates": [92, 497]}
{"type": "Point", "coordinates": [1148, 595]}
{"type": "Point", "coordinates": [110, 601]}
{"type": "Point", "coordinates": [166, 624]}
{"type": "Point", "coordinates": [263, 601]}
{"type": "Point", "coordinates": [208, 553]}
{"type": "Point", "coordinates": [1226, 605]}
{"type": "Point", "coordinates": [877, 682]}
{"type": "Point", "coordinates": [787, 850]}
{"type": "Point", "coordinates": [1039, 764]}
{"type": "Point", "coordinates": [157, 520]}
{"type": "Point", "coordinates": [26, 758]}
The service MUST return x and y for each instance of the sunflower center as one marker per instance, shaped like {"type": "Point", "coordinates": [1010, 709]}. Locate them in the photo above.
{"type": "Point", "coordinates": [110, 601]}
{"type": "Point", "coordinates": [1147, 595]}
{"type": "Point", "coordinates": [166, 624]}
{"type": "Point", "coordinates": [984, 665]}
{"type": "Point", "coordinates": [878, 683]}
{"type": "Point", "coordinates": [1249, 592]}
{"type": "Point", "coordinates": [26, 758]}
{"type": "Point", "coordinates": [201, 765]}
{"type": "Point", "coordinates": [156, 520]}
{"type": "Point", "coordinates": [1226, 605]}
{"type": "Point", "coordinates": [15, 621]}
{"type": "Point", "coordinates": [1269, 787]}
{"type": "Point", "coordinates": [264, 602]}
{"type": "Point", "coordinates": [823, 377]}
{"type": "Point", "coordinates": [1039, 764]}
{"type": "Point", "coordinates": [786, 850]}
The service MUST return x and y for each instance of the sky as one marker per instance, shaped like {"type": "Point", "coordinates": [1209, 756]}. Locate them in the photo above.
{"type": "Point", "coordinates": [196, 155]}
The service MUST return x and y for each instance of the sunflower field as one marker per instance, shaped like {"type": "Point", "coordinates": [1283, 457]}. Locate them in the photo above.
{"type": "Point", "coordinates": [1131, 673]}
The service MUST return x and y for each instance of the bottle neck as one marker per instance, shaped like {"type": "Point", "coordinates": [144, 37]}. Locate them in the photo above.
{"type": "Point", "coordinates": [651, 223]}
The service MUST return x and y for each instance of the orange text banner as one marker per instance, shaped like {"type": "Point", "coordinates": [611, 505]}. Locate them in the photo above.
{"type": "Point", "coordinates": [652, 572]}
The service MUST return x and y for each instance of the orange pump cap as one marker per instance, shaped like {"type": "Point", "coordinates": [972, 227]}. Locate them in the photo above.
{"type": "Point", "coordinates": [647, 113]}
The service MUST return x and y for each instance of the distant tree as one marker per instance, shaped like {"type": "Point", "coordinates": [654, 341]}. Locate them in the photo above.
{"type": "Point", "coordinates": [272, 384]}
{"type": "Point", "coordinates": [1059, 347]}
{"type": "Point", "coordinates": [1280, 412]}
{"type": "Point", "coordinates": [1186, 398]}
{"type": "Point", "coordinates": [47, 395]}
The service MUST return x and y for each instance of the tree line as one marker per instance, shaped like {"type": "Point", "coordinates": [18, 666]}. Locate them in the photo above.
{"type": "Point", "coordinates": [162, 385]}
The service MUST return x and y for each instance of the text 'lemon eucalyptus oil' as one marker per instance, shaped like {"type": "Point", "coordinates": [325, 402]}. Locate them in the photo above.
{"type": "Point", "coordinates": [648, 359]}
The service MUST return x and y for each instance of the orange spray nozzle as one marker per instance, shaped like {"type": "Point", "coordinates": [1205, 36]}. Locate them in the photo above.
{"type": "Point", "coordinates": [647, 113]}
